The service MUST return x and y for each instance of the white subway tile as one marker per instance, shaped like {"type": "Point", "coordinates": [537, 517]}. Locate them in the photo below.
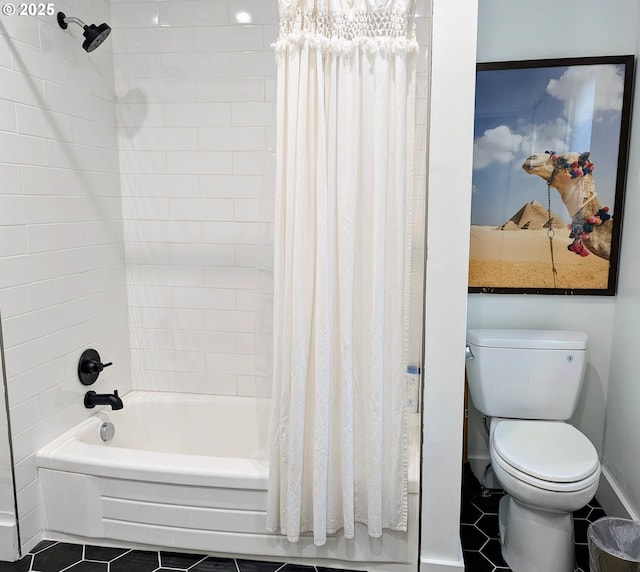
{"type": "Point", "coordinates": [197, 114]}
{"type": "Point", "coordinates": [25, 327]}
{"type": "Point", "coordinates": [231, 363]}
{"type": "Point", "coordinates": [248, 64]}
{"type": "Point", "coordinates": [135, 15]}
{"type": "Point", "coordinates": [199, 162]}
{"type": "Point", "coordinates": [8, 116]}
{"type": "Point", "coordinates": [204, 341]}
{"type": "Point", "coordinates": [246, 299]}
{"type": "Point", "coordinates": [140, 115]}
{"type": "Point", "coordinates": [230, 321]}
{"type": "Point", "coordinates": [26, 150]}
{"type": "Point", "coordinates": [14, 301]}
{"type": "Point", "coordinates": [68, 101]}
{"type": "Point", "coordinates": [193, 13]}
{"type": "Point", "coordinates": [39, 63]}
{"type": "Point", "coordinates": [253, 113]}
{"type": "Point", "coordinates": [23, 29]}
{"type": "Point", "coordinates": [13, 240]}
{"type": "Point", "coordinates": [202, 254]}
{"type": "Point", "coordinates": [56, 291]}
{"type": "Point", "coordinates": [230, 232]}
{"type": "Point", "coordinates": [162, 231]}
{"type": "Point", "coordinates": [161, 318]}
{"type": "Point", "coordinates": [159, 40]}
{"type": "Point", "coordinates": [252, 12]}
{"type": "Point", "coordinates": [221, 277]}
{"type": "Point", "coordinates": [136, 208]}
{"type": "Point", "coordinates": [230, 89]}
{"type": "Point", "coordinates": [142, 162]}
{"type": "Point", "coordinates": [137, 65]}
{"type": "Point", "coordinates": [11, 180]}
{"type": "Point", "coordinates": [168, 360]}
{"type": "Point", "coordinates": [18, 210]}
{"type": "Point", "coordinates": [201, 209]}
{"type": "Point", "coordinates": [169, 90]}
{"type": "Point", "coordinates": [50, 237]}
{"type": "Point", "coordinates": [44, 123]}
{"type": "Point", "coordinates": [204, 298]}
{"type": "Point", "coordinates": [150, 185]}
{"type": "Point", "coordinates": [228, 38]}
{"type": "Point", "coordinates": [148, 339]}
{"type": "Point", "coordinates": [82, 157]}
{"type": "Point", "coordinates": [195, 65]}
{"type": "Point", "coordinates": [249, 210]}
{"type": "Point", "coordinates": [161, 275]}
{"type": "Point", "coordinates": [147, 296]}
{"type": "Point", "coordinates": [93, 133]}
{"type": "Point", "coordinates": [165, 139]}
{"type": "Point", "coordinates": [231, 138]}
{"type": "Point", "coordinates": [34, 381]}
{"type": "Point", "coordinates": [48, 181]}
{"type": "Point", "coordinates": [236, 186]}
{"type": "Point", "coordinates": [250, 162]}
{"type": "Point", "coordinates": [147, 252]}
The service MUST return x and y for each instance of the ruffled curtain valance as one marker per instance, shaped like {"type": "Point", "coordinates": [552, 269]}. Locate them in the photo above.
{"type": "Point", "coordinates": [342, 26]}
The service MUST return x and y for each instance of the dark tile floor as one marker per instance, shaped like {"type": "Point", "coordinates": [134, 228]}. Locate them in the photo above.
{"type": "Point", "coordinates": [480, 538]}
{"type": "Point", "coordinates": [51, 556]}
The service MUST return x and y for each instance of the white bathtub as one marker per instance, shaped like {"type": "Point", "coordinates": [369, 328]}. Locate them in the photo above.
{"type": "Point", "coordinates": [189, 472]}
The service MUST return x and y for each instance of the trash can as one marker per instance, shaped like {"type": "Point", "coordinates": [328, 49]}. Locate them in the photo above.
{"type": "Point", "coordinates": [614, 545]}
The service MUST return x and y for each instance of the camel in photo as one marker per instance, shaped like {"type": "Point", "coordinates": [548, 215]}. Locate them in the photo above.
{"type": "Point", "coordinates": [571, 174]}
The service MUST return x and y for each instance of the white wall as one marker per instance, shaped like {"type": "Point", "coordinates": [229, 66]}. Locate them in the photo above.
{"type": "Point", "coordinates": [449, 189]}
{"type": "Point", "coordinates": [195, 92]}
{"type": "Point", "coordinates": [8, 523]}
{"type": "Point", "coordinates": [517, 30]}
{"type": "Point", "coordinates": [62, 283]}
{"type": "Point", "coordinates": [196, 105]}
{"type": "Point", "coordinates": [621, 446]}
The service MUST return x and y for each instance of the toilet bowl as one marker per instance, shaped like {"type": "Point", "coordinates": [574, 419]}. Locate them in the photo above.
{"type": "Point", "coordinates": [528, 383]}
{"type": "Point", "coordinates": [548, 470]}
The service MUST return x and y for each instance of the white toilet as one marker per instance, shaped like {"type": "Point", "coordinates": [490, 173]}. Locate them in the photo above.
{"type": "Point", "coordinates": [528, 382]}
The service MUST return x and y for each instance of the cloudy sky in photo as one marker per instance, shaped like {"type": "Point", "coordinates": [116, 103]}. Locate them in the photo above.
{"type": "Point", "coordinates": [525, 111]}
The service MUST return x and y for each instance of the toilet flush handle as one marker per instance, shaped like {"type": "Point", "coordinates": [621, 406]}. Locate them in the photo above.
{"type": "Point", "coordinates": [468, 354]}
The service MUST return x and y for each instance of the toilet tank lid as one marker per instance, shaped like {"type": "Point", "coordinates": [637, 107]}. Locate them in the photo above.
{"type": "Point", "coordinates": [528, 339]}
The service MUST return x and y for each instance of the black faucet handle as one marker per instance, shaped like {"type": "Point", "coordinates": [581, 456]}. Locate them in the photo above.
{"type": "Point", "coordinates": [90, 366]}
{"type": "Point", "coordinates": [94, 366]}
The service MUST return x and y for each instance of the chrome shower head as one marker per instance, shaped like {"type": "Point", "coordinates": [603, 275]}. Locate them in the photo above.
{"type": "Point", "coordinates": [94, 35]}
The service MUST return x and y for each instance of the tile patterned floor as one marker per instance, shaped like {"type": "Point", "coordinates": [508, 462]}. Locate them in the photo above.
{"type": "Point", "coordinates": [51, 556]}
{"type": "Point", "coordinates": [480, 538]}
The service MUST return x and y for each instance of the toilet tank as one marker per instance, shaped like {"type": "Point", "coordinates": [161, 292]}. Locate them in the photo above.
{"type": "Point", "coordinates": [526, 374]}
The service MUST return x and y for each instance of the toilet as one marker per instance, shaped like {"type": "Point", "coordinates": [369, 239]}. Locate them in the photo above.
{"type": "Point", "coordinates": [528, 383]}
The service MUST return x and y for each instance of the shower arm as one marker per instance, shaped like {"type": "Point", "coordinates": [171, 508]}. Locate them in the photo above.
{"type": "Point", "coordinates": [64, 21]}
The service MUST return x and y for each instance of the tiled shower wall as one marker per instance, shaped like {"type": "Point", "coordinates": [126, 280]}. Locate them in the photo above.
{"type": "Point", "coordinates": [62, 281]}
{"type": "Point", "coordinates": [195, 86]}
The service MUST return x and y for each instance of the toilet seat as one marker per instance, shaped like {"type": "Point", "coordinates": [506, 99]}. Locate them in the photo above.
{"type": "Point", "coordinates": [549, 455]}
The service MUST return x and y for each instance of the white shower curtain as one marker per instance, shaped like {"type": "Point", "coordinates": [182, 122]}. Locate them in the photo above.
{"type": "Point", "coordinates": [346, 83]}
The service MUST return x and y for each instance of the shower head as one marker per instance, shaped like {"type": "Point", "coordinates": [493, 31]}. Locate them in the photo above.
{"type": "Point", "coordinates": [94, 35]}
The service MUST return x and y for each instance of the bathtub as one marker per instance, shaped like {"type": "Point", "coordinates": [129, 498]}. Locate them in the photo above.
{"type": "Point", "coordinates": [189, 472]}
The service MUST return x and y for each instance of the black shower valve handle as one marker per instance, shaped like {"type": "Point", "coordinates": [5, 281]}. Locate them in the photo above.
{"type": "Point", "coordinates": [90, 366]}
{"type": "Point", "coordinates": [94, 366]}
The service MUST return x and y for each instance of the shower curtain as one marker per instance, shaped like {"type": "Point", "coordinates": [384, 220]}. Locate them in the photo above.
{"type": "Point", "coordinates": [345, 92]}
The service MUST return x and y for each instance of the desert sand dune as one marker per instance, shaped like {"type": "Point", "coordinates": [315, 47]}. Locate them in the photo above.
{"type": "Point", "coordinates": [521, 259]}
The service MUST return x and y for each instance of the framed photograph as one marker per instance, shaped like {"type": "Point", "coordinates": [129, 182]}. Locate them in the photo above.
{"type": "Point", "coordinates": [549, 169]}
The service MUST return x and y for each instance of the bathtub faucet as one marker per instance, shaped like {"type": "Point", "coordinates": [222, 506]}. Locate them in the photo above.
{"type": "Point", "coordinates": [91, 399]}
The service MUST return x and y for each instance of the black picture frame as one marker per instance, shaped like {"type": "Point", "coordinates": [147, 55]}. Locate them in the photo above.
{"type": "Point", "coordinates": [537, 234]}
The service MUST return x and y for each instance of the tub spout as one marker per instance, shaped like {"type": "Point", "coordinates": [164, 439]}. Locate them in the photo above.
{"type": "Point", "coordinates": [91, 399]}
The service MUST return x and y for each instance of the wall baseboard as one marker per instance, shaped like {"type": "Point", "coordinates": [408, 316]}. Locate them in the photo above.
{"type": "Point", "coordinates": [432, 565]}
{"type": "Point", "coordinates": [9, 540]}
{"type": "Point", "coordinates": [611, 498]}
